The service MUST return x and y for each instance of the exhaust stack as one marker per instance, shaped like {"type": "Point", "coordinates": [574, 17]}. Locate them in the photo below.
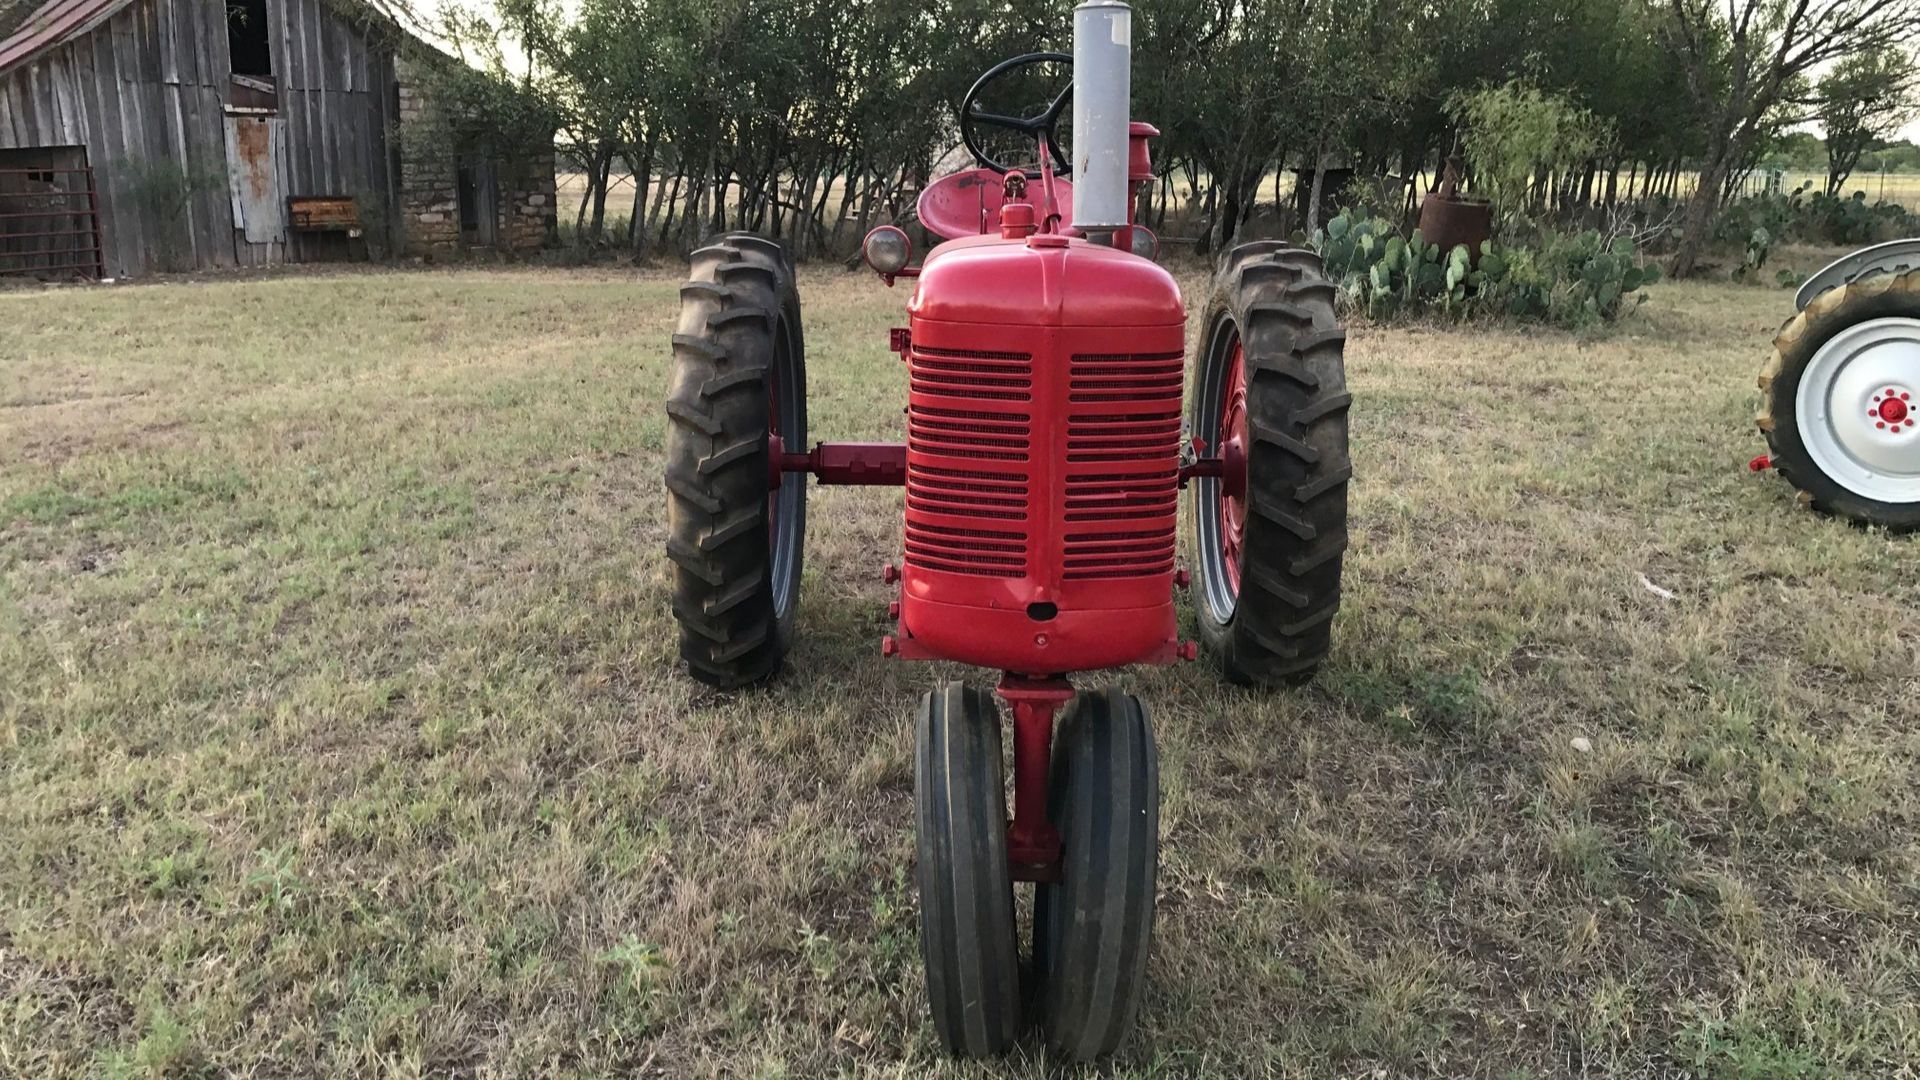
{"type": "Point", "coordinates": [1102, 99]}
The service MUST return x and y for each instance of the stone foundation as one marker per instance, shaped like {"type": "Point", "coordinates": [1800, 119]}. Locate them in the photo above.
{"type": "Point", "coordinates": [524, 191]}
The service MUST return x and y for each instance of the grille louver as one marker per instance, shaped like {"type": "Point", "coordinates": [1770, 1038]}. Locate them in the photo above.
{"type": "Point", "coordinates": [1122, 479]}
{"type": "Point", "coordinates": [969, 517]}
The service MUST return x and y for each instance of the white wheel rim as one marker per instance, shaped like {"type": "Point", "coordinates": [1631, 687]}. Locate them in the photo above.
{"type": "Point", "coordinates": [1858, 409]}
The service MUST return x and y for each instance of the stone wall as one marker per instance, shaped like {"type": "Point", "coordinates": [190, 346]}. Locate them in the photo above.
{"type": "Point", "coordinates": [429, 211]}
{"type": "Point", "coordinates": [529, 216]}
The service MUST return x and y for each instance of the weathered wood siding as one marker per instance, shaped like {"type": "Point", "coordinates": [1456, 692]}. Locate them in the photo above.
{"type": "Point", "coordinates": [152, 83]}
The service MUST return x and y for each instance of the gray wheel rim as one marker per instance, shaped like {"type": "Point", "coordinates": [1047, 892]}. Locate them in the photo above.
{"type": "Point", "coordinates": [1214, 589]}
{"type": "Point", "coordinates": [1866, 375]}
{"type": "Point", "coordinates": [790, 502]}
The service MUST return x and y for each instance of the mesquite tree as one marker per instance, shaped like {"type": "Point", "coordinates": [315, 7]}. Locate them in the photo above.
{"type": "Point", "coordinates": [1863, 100]}
{"type": "Point", "coordinates": [1745, 60]}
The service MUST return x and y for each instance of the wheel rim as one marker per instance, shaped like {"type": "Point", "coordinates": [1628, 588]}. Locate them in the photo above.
{"type": "Point", "coordinates": [786, 423]}
{"type": "Point", "coordinates": [1220, 505]}
{"type": "Point", "coordinates": [1858, 409]}
{"type": "Point", "coordinates": [1233, 466]}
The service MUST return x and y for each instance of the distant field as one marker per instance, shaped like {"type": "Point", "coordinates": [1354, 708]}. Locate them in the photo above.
{"type": "Point", "coordinates": [1902, 188]}
{"type": "Point", "coordinates": [340, 733]}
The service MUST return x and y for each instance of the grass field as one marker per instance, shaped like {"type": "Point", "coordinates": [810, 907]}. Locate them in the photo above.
{"type": "Point", "coordinates": [340, 733]}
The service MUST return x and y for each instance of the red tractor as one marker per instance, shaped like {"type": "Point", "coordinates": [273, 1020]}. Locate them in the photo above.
{"type": "Point", "coordinates": [1043, 462]}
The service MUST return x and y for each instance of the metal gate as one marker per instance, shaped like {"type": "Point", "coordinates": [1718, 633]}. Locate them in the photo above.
{"type": "Point", "coordinates": [50, 223]}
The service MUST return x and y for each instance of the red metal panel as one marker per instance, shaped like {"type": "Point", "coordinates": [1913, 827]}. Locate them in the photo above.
{"type": "Point", "coordinates": [967, 203]}
{"type": "Point", "coordinates": [1042, 458]}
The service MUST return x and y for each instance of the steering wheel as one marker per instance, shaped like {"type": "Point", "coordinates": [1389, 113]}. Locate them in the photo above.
{"type": "Point", "coordinates": [1046, 123]}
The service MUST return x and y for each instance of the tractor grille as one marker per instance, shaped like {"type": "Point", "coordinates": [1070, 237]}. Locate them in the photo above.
{"type": "Point", "coordinates": [974, 448]}
{"type": "Point", "coordinates": [1122, 476]}
{"type": "Point", "coordinates": [1151, 379]}
{"type": "Point", "coordinates": [968, 373]}
{"type": "Point", "coordinates": [965, 433]}
{"type": "Point", "coordinates": [967, 494]}
{"type": "Point", "coordinates": [969, 437]}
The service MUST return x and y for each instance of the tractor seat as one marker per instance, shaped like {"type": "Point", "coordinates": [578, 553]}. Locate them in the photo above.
{"type": "Point", "coordinates": [967, 203]}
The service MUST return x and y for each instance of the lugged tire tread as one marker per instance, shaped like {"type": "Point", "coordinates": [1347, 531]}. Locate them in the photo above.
{"type": "Point", "coordinates": [1299, 466]}
{"type": "Point", "coordinates": [741, 296]}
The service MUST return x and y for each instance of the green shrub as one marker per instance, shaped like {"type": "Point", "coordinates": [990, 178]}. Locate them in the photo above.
{"type": "Point", "coordinates": [1516, 133]}
{"type": "Point", "coordinates": [1573, 280]}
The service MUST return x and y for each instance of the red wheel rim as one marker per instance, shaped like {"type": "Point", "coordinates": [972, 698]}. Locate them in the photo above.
{"type": "Point", "coordinates": [1233, 471]}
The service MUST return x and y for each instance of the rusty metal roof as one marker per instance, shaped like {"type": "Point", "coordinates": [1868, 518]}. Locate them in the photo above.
{"type": "Point", "coordinates": [29, 29]}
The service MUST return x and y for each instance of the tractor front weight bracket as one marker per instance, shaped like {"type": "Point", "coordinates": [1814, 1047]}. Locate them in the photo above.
{"type": "Point", "coordinates": [845, 464]}
{"type": "Point", "coordinates": [1033, 844]}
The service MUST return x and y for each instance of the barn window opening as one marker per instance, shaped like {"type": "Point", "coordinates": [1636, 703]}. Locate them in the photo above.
{"type": "Point", "coordinates": [247, 38]}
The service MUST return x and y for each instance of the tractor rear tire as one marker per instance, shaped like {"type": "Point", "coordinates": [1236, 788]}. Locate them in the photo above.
{"type": "Point", "coordinates": [1093, 928]}
{"type": "Point", "coordinates": [1270, 397]}
{"type": "Point", "coordinates": [968, 938]}
{"type": "Point", "coordinates": [736, 542]}
{"type": "Point", "coordinates": [1821, 402]}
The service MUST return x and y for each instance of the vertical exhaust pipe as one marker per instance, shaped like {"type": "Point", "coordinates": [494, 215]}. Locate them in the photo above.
{"type": "Point", "coordinates": [1102, 100]}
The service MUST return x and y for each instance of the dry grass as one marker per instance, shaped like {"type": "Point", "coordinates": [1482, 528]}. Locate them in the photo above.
{"type": "Point", "coordinates": [340, 735]}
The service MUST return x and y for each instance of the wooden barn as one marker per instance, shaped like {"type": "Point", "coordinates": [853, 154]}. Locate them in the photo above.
{"type": "Point", "coordinates": [152, 135]}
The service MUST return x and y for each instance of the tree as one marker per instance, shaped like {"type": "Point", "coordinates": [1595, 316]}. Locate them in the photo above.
{"type": "Point", "coordinates": [1865, 99]}
{"type": "Point", "coordinates": [1516, 135]}
{"type": "Point", "coordinates": [1747, 63]}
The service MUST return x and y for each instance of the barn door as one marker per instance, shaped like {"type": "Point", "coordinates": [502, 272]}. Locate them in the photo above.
{"type": "Point", "coordinates": [479, 199]}
{"type": "Point", "coordinates": [256, 170]}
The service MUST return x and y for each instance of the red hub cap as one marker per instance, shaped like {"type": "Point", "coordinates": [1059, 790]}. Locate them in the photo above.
{"type": "Point", "coordinates": [1233, 466]}
{"type": "Point", "coordinates": [1893, 408]}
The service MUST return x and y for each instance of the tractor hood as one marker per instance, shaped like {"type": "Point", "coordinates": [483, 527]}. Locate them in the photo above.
{"type": "Point", "coordinates": [1043, 280]}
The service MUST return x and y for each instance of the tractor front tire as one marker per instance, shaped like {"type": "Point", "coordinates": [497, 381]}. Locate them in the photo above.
{"type": "Point", "coordinates": [1270, 397]}
{"type": "Point", "coordinates": [967, 934]}
{"type": "Point", "coordinates": [735, 539]}
{"type": "Point", "coordinates": [1092, 929]}
{"type": "Point", "coordinates": [1840, 401]}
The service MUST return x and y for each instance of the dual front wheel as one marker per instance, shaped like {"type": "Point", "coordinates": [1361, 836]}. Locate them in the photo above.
{"type": "Point", "coordinates": [1091, 928]}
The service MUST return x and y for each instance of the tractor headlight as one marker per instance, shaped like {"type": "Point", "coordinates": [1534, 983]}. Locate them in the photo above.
{"type": "Point", "coordinates": [1144, 243]}
{"type": "Point", "coordinates": [887, 250]}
